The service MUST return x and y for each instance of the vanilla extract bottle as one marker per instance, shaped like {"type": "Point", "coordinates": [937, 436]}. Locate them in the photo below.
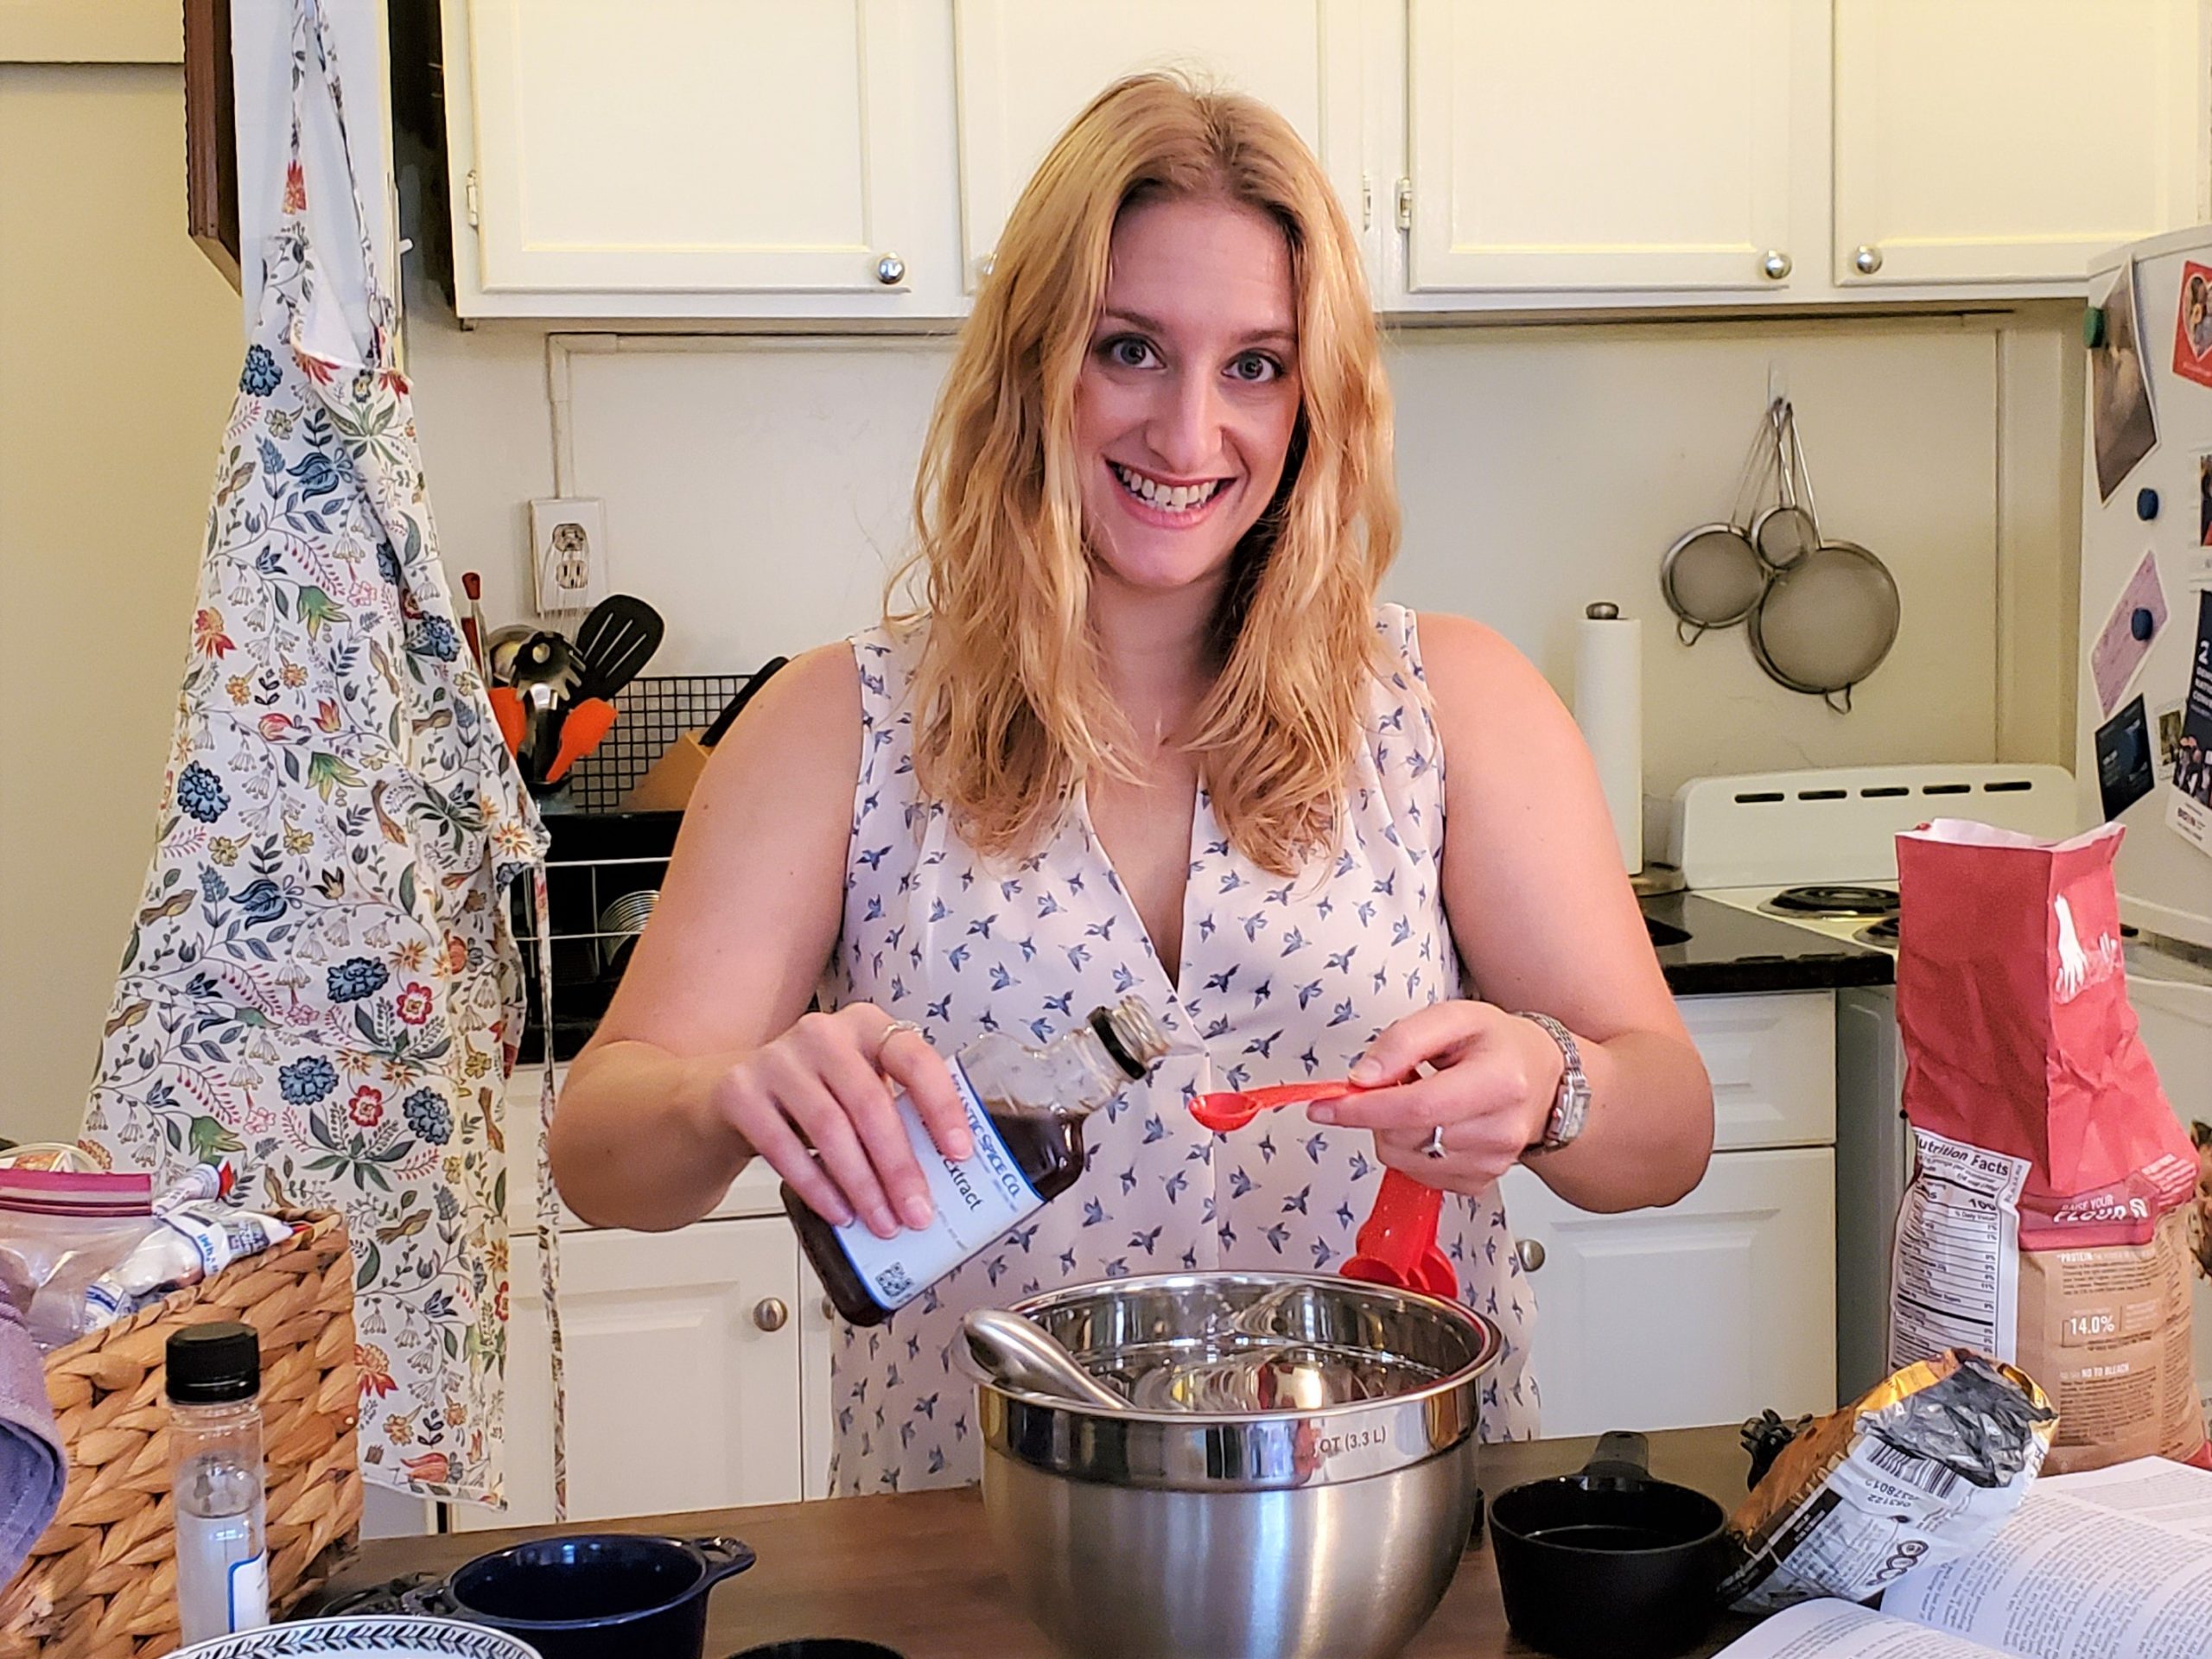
{"type": "Point", "coordinates": [1025, 1109]}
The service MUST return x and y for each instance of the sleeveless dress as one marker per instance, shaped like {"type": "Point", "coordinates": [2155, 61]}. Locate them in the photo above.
{"type": "Point", "coordinates": [1280, 979]}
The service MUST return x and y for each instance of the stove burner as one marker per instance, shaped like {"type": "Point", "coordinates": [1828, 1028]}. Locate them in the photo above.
{"type": "Point", "coordinates": [1882, 934]}
{"type": "Point", "coordinates": [1835, 900]}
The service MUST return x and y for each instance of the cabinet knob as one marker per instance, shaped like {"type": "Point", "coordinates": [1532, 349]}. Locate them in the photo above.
{"type": "Point", "coordinates": [828, 1309]}
{"type": "Point", "coordinates": [891, 270]}
{"type": "Point", "coordinates": [985, 266]}
{"type": "Point", "coordinates": [1867, 260]}
{"type": "Point", "coordinates": [1531, 1252]}
{"type": "Point", "coordinates": [1775, 265]}
{"type": "Point", "coordinates": [770, 1313]}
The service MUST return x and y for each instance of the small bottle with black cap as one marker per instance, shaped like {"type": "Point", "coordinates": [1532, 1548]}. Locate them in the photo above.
{"type": "Point", "coordinates": [222, 1562]}
{"type": "Point", "coordinates": [1025, 1109]}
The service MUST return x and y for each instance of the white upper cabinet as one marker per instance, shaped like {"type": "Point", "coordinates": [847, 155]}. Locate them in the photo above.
{"type": "Point", "coordinates": [632, 155]}
{"type": "Point", "coordinates": [1025, 70]}
{"type": "Point", "coordinates": [856, 159]}
{"type": "Point", "coordinates": [1603, 144]}
{"type": "Point", "coordinates": [2010, 141]}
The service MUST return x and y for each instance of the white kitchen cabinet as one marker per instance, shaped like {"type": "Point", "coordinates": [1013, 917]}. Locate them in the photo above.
{"type": "Point", "coordinates": [683, 1367]}
{"type": "Point", "coordinates": [2009, 141]}
{"type": "Point", "coordinates": [1705, 1311]}
{"type": "Point", "coordinates": [666, 158]}
{"type": "Point", "coordinates": [855, 159]}
{"type": "Point", "coordinates": [1608, 144]}
{"type": "Point", "coordinates": [1771, 1057]}
{"type": "Point", "coordinates": [1025, 71]}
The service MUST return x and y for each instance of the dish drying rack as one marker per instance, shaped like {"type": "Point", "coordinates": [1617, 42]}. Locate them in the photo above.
{"type": "Point", "coordinates": [601, 856]}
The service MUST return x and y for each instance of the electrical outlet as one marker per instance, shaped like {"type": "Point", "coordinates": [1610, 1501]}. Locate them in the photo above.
{"type": "Point", "coordinates": [568, 540]}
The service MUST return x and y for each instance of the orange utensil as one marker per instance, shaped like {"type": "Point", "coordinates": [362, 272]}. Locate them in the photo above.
{"type": "Point", "coordinates": [506, 709]}
{"type": "Point", "coordinates": [1397, 1245]}
{"type": "Point", "coordinates": [1225, 1109]}
{"type": "Point", "coordinates": [587, 722]}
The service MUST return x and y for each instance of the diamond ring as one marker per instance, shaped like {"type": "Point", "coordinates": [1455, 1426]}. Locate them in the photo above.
{"type": "Point", "coordinates": [1434, 1145]}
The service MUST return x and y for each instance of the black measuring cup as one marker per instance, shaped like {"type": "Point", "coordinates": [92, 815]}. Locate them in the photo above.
{"type": "Point", "coordinates": [590, 1595]}
{"type": "Point", "coordinates": [1609, 1563]}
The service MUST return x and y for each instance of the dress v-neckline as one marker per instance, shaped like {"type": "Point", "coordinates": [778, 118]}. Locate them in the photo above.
{"type": "Point", "coordinates": [1174, 985]}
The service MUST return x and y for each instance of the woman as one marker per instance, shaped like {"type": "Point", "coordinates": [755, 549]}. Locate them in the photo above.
{"type": "Point", "coordinates": [1151, 732]}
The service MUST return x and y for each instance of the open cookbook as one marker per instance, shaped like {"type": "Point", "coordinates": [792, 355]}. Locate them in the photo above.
{"type": "Point", "coordinates": [2112, 1564]}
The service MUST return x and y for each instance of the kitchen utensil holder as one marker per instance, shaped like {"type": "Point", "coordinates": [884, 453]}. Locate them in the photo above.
{"type": "Point", "coordinates": [651, 713]}
{"type": "Point", "coordinates": [101, 1580]}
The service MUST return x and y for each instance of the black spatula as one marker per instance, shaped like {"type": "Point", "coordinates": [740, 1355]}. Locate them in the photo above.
{"type": "Point", "coordinates": [616, 640]}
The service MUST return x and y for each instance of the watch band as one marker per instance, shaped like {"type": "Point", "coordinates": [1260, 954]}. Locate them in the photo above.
{"type": "Point", "coordinates": [1570, 1105]}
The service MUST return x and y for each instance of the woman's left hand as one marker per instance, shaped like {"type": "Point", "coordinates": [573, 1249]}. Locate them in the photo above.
{"type": "Point", "coordinates": [1494, 1078]}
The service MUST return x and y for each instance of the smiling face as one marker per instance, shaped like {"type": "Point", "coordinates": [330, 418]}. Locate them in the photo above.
{"type": "Point", "coordinates": [1189, 392]}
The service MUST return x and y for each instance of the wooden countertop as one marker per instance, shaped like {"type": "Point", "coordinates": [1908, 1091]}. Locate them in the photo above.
{"type": "Point", "coordinates": [915, 1570]}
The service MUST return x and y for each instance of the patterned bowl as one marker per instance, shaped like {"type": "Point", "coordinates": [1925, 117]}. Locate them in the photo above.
{"type": "Point", "coordinates": [359, 1638]}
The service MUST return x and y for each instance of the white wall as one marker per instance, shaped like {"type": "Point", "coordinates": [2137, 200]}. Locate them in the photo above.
{"type": "Point", "coordinates": [119, 353]}
{"type": "Point", "coordinates": [757, 490]}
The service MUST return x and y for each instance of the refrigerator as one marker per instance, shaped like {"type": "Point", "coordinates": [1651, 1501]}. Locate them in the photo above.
{"type": "Point", "coordinates": [2143, 726]}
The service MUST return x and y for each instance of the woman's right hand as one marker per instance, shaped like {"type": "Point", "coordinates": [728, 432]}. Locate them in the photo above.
{"type": "Point", "coordinates": [829, 1084]}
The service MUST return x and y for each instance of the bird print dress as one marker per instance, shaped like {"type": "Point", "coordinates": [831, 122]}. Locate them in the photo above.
{"type": "Point", "coordinates": [1282, 979]}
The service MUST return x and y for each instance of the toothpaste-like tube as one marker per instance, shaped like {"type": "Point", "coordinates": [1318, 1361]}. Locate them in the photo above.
{"type": "Point", "coordinates": [193, 1240]}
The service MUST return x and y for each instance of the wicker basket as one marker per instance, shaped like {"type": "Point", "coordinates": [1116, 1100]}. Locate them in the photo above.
{"type": "Point", "coordinates": [101, 1583]}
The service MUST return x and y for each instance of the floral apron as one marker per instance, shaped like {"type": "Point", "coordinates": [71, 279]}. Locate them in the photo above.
{"type": "Point", "coordinates": [322, 987]}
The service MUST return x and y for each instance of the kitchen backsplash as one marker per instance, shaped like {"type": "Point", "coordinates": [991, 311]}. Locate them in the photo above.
{"type": "Point", "coordinates": [757, 490]}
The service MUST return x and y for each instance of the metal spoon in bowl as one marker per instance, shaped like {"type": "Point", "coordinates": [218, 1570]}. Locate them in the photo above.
{"type": "Point", "coordinates": [1012, 1351]}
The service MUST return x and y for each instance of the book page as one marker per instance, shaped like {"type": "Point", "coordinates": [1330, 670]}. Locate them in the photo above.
{"type": "Point", "coordinates": [1841, 1630]}
{"type": "Point", "coordinates": [2094, 1566]}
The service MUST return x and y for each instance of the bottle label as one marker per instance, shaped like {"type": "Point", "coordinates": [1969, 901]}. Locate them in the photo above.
{"type": "Point", "coordinates": [249, 1593]}
{"type": "Point", "coordinates": [976, 1202]}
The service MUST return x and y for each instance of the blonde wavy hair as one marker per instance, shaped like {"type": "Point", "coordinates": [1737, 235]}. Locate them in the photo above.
{"type": "Point", "coordinates": [1011, 707]}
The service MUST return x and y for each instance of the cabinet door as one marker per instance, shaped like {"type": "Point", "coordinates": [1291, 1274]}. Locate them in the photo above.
{"type": "Point", "coordinates": [683, 1368]}
{"type": "Point", "coordinates": [662, 146]}
{"type": "Point", "coordinates": [2011, 140]}
{"type": "Point", "coordinates": [1705, 1311]}
{"type": "Point", "coordinates": [1771, 1058]}
{"type": "Point", "coordinates": [1601, 143]}
{"type": "Point", "coordinates": [1026, 71]}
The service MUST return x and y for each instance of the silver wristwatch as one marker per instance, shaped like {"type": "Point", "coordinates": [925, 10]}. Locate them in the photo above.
{"type": "Point", "coordinates": [1571, 1106]}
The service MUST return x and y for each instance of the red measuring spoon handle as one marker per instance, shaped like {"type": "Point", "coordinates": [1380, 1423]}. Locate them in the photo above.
{"type": "Point", "coordinates": [1232, 1109]}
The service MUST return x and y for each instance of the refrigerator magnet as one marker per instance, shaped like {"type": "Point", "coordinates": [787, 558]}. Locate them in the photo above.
{"type": "Point", "coordinates": [2189, 804]}
{"type": "Point", "coordinates": [2193, 324]}
{"type": "Point", "coordinates": [2123, 427]}
{"type": "Point", "coordinates": [2165, 729]}
{"type": "Point", "coordinates": [2132, 627]}
{"type": "Point", "coordinates": [2124, 771]}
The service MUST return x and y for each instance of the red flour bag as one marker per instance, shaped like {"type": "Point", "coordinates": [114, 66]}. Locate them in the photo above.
{"type": "Point", "coordinates": [2047, 1221]}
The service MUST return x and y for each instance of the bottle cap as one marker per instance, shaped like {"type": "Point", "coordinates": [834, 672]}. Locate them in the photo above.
{"type": "Point", "coordinates": [1131, 1036]}
{"type": "Point", "coordinates": [215, 1365]}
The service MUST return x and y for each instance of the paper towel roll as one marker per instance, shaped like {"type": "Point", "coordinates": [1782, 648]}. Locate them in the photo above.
{"type": "Point", "coordinates": [1609, 706]}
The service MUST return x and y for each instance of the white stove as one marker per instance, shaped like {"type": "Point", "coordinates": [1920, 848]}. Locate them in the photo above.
{"type": "Point", "coordinates": [1818, 848]}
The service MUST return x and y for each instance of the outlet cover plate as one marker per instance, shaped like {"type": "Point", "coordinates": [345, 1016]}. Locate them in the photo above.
{"type": "Point", "coordinates": [568, 542]}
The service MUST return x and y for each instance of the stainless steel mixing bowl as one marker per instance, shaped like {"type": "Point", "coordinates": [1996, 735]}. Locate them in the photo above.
{"type": "Point", "coordinates": [1296, 1476]}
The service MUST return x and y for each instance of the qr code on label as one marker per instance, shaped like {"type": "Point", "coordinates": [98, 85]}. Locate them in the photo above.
{"type": "Point", "coordinates": [894, 1282]}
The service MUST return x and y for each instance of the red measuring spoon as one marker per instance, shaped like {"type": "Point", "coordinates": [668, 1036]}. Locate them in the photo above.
{"type": "Point", "coordinates": [1396, 1244]}
{"type": "Point", "coordinates": [1225, 1109]}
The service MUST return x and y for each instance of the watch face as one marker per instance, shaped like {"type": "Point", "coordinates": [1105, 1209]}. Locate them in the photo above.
{"type": "Point", "coordinates": [1568, 1115]}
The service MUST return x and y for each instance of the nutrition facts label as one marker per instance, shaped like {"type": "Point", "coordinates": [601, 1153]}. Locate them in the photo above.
{"type": "Point", "coordinates": [1957, 1272]}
